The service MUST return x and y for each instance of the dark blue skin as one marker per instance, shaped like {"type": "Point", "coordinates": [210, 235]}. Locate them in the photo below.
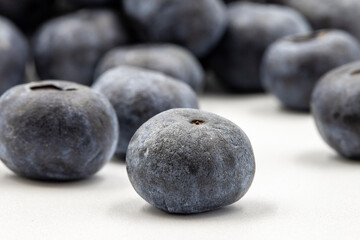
{"type": "Point", "coordinates": [14, 51]}
{"type": "Point", "coordinates": [252, 28]}
{"type": "Point", "coordinates": [68, 5]}
{"type": "Point", "coordinates": [56, 131]}
{"type": "Point", "coordinates": [169, 59]}
{"type": "Point", "coordinates": [344, 14]}
{"type": "Point", "coordinates": [259, 1]}
{"type": "Point", "coordinates": [139, 94]}
{"type": "Point", "coordinates": [70, 46]}
{"type": "Point", "coordinates": [293, 65]}
{"type": "Point", "coordinates": [189, 161]}
{"type": "Point", "coordinates": [27, 14]}
{"type": "Point", "coordinates": [197, 25]}
{"type": "Point", "coordinates": [335, 106]}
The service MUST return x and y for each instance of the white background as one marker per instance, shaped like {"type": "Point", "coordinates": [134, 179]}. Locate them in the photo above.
{"type": "Point", "coordinates": [302, 190]}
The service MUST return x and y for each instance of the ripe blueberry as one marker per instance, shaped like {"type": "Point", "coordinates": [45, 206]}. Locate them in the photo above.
{"type": "Point", "coordinates": [56, 130]}
{"type": "Point", "coordinates": [190, 161]}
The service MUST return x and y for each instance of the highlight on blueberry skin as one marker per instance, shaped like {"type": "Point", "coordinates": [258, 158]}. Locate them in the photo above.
{"type": "Point", "coordinates": [13, 55]}
{"type": "Point", "coordinates": [139, 94]}
{"type": "Point", "coordinates": [336, 109]}
{"type": "Point", "coordinates": [172, 60]}
{"type": "Point", "coordinates": [252, 28]}
{"type": "Point", "coordinates": [56, 131]}
{"type": "Point", "coordinates": [190, 161]}
{"type": "Point", "coordinates": [197, 25]}
{"type": "Point", "coordinates": [293, 65]}
{"type": "Point", "coordinates": [69, 47]}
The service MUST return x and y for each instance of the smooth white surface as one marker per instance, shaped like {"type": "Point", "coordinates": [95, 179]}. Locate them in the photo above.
{"type": "Point", "coordinates": [302, 190]}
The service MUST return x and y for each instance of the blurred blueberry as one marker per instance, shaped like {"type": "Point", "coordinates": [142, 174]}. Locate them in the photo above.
{"type": "Point", "coordinates": [70, 46]}
{"type": "Point", "coordinates": [169, 59]}
{"type": "Point", "coordinates": [56, 130]}
{"type": "Point", "coordinates": [344, 14]}
{"type": "Point", "coordinates": [197, 25]}
{"type": "Point", "coordinates": [336, 108]}
{"type": "Point", "coordinates": [293, 65]}
{"type": "Point", "coordinates": [138, 94]}
{"type": "Point", "coordinates": [14, 51]}
{"type": "Point", "coordinates": [190, 161]}
{"type": "Point", "coordinates": [252, 28]}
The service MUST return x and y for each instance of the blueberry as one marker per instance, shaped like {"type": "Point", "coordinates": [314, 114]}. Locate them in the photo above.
{"type": "Point", "coordinates": [197, 25]}
{"type": "Point", "coordinates": [13, 55]}
{"type": "Point", "coordinates": [69, 47]}
{"type": "Point", "coordinates": [252, 27]}
{"type": "Point", "coordinates": [335, 105]}
{"type": "Point", "coordinates": [293, 65]}
{"type": "Point", "coordinates": [139, 94]}
{"type": "Point", "coordinates": [322, 14]}
{"type": "Point", "coordinates": [172, 60]}
{"type": "Point", "coordinates": [56, 130]}
{"type": "Point", "coordinates": [190, 161]}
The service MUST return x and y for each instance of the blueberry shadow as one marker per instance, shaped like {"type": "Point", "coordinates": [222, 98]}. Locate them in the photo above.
{"type": "Point", "coordinates": [324, 159]}
{"type": "Point", "coordinates": [119, 161]}
{"type": "Point", "coordinates": [249, 210]}
{"type": "Point", "coordinates": [18, 180]}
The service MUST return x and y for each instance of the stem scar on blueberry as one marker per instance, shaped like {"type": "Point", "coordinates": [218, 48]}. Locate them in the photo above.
{"type": "Point", "coordinates": [357, 72]}
{"type": "Point", "coordinates": [51, 87]}
{"type": "Point", "coordinates": [197, 122]}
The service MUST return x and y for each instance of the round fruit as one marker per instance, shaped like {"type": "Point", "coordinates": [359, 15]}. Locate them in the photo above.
{"type": "Point", "coordinates": [336, 109]}
{"type": "Point", "coordinates": [56, 130]}
{"type": "Point", "coordinates": [138, 94]}
{"type": "Point", "coordinates": [190, 161]}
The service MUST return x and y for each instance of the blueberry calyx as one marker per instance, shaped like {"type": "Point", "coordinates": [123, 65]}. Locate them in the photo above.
{"type": "Point", "coordinates": [51, 87]}
{"type": "Point", "coordinates": [356, 72]}
{"type": "Point", "coordinates": [197, 122]}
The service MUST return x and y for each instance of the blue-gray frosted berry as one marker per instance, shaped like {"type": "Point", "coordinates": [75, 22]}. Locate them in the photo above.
{"type": "Point", "coordinates": [70, 46]}
{"type": "Point", "coordinates": [13, 55]}
{"type": "Point", "coordinates": [197, 25]}
{"type": "Point", "coordinates": [56, 130]}
{"type": "Point", "coordinates": [139, 94]}
{"type": "Point", "coordinates": [169, 59]}
{"type": "Point", "coordinates": [190, 161]}
{"type": "Point", "coordinates": [252, 28]}
{"type": "Point", "coordinates": [336, 108]}
{"type": "Point", "coordinates": [344, 14]}
{"type": "Point", "coordinates": [293, 65]}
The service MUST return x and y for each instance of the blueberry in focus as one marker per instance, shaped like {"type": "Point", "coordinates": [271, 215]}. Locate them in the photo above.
{"type": "Point", "coordinates": [344, 14]}
{"type": "Point", "coordinates": [252, 28]}
{"type": "Point", "coordinates": [190, 161]}
{"type": "Point", "coordinates": [335, 105]}
{"type": "Point", "coordinates": [169, 59]}
{"type": "Point", "coordinates": [294, 64]}
{"type": "Point", "coordinates": [56, 130]}
{"type": "Point", "coordinates": [138, 94]}
{"type": "Point", "coordinates": [14, 51]}
{"type": "Point", "coordinates": [197, 25]}
{"type": "Point", "coordinates": [70, 46]}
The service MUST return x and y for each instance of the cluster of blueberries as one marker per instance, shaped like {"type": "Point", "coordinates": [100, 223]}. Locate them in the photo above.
{"type": "Point", "coordinates": [145, 61]}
